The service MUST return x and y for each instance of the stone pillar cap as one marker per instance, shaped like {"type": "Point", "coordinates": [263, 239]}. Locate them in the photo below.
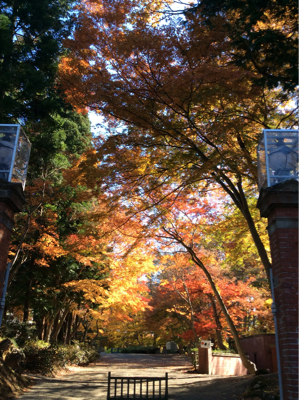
{"type": "Point", "coordinates": [284, 194]}
{"type": "Point", "coordinates": [12, 194]}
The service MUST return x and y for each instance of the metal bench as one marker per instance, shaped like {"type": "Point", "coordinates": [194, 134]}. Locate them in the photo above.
{"type": "Point", "coordinates": [137, 388]}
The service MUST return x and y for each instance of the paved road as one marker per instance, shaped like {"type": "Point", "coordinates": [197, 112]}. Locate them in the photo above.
{"type": "Point", "coordinates": [90, 383]}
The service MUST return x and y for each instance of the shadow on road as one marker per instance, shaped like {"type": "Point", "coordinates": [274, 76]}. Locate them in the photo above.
{"type": "Point", "coordinates": [90, 383]}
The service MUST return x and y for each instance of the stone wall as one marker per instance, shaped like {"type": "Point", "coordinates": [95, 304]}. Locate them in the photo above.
{"type": "Point", "coordinates": [226, 364]}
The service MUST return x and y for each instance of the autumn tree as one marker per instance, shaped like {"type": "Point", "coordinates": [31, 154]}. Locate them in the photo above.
{"type": "Point", "coordinates": [180, 228]}
{"type": "Point", "coordinates": [179, 114]}
{"type": "Point", "coordinates": [51, 245]}
{"type": "Point", "coordinates": [262, 35]}
{"type": "Point", "coordinates": [57, 142]}
{"type": "Point", "coordinates": [228, 234]}
{"type": "Point", "coordinates": [164, 318]}
{"type": "Point", "coordinates": [186, 296]}
{"type": "Point", "coordinates": [60, 257]}
{"type": "Point", "coordinates": [194, 256]}
{"type": "Point", "coordinates": [190, 305]}
{"type": "Point", "coordinates": [73, 270]}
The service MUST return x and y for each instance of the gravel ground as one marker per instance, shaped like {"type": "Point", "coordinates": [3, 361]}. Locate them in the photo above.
{"type": "Point", "coordinates": [88, 383]}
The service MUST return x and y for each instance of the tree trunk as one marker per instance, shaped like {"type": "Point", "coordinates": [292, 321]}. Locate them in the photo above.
{"type": "Point", "coordinates": [39, 322]}
{"type": "Point", "coordinates": [250, 366]}
{"type": "Point", "coordinates": [62, 333]}
{"type": "Point", "coordinates": [27, 301]}
{"type": "Point", "coordinates": [59, 322]}
{"type": "Point", "coordinates": [48, 329]}
{"type": "Point", "coordinates": [85, 333]}
{"type": "Point", "coordinates": [220, 340]}
{"type": "Point", "coordinates": [56, 320]}
{"type": "Point", "coordinates": [26, 305]}
{"type": "Point", "coordinates": [41, 329]}
{"type": "Point", "coordinates": [257, 241]}
{"type": "Point", "coordinates": [4, 313]}
{"type": "Point", "coordinates": [69, 325]}
{"type": "Point", "coordinates": [76, 325]}
{"type": "Point", "coordinates": [218, 324]}
{"type": "Point", "coordinates": [45, 329]}
{"type": "Point", "coordinates": [193, 329]}
{"type": "Point", "coordinates": [187, 300]}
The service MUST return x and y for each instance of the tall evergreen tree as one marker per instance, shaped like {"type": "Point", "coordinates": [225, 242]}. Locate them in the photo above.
{"type": "Point", "coordinates": [31, 35]}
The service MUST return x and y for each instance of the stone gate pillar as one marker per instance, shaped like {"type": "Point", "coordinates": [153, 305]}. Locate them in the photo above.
{"type": "Point", "coordinates": [11, 201]}
{"type": "Point", "coordinates": [279, 203]}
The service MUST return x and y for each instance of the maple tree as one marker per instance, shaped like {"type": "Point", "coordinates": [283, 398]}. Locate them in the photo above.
{"type": "Point", "coordinates": [188, 302]}
{"type": "Point", "coordinates": [181, 230]}
{"type": "Point", "coordinates": [179, 114]}
{"type": "Point", "coordinates": [180, 220]}
{"type": "Point", "coordinates": [60, 256]}
{"type": "Point", "coordinates": [160, 320]}
{"type": "Point", "coordinates": [171, 183]}
{"type": "Point", "coordinates": [181, 227]}
{"type": "Point", "coordinates": [72, 270]}
{"type": "Point", "coordinates": [186, 297]}
{"type": "Point", "coordinates": [262, 34]}
{"type": "Point", "coordinates": [58, 263]}
{"type": "Point", "coordinates": [228, 234]}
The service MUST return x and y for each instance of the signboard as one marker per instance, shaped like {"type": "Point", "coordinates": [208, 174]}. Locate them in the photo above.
{"type": "Point", "coordinates": [206, 343]}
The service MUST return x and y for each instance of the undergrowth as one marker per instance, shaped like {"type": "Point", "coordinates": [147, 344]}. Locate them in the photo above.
{"type": "Point", "coordinates": [45, 358]}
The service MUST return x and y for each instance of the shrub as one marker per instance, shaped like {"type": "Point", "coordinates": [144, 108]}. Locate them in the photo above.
{"type": "Point", "coordinates": [47, 358]}
{"type": "Point", "coordinates": [21, 332]}
{"type": "Point", "coordinates": [141, 350]}
{"type": "Point", "coordinates": [228, 351]}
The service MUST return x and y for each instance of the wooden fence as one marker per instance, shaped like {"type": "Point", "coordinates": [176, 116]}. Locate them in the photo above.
{"type": "Point", "coordinates": [137, 388]}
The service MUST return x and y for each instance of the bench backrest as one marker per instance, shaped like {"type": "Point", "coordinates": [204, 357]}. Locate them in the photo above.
{"type": "Point", "coordinates": [141, 387]}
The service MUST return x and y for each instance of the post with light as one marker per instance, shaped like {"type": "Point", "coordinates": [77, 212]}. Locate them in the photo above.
{"type": "Point", "coordinates": [278, 201]}
{"type": "Point", "coordinates": [14, 157]}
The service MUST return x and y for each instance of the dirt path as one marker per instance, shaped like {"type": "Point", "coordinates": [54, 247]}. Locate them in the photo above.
{"type": "Point", "coordinates": [88, 383]}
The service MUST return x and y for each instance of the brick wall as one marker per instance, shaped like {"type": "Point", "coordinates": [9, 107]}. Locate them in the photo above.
{"type": "Point", "coordinates": [284, 250]}
{"type": "Point", "coordinates": [261, 350]}
{"type": "Point", "coordinates": [11, 201]}
{"type": "Point", "coordinates": [279, 204]}
{"type": "Point", "coordinates": [6, 226]}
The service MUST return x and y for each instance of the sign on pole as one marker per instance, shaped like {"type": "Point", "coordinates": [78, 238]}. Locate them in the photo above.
{"type": "Point", "coordinates": [206, 343]}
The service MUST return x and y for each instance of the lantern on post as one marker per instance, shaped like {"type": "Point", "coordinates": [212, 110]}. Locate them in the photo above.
{"type": "Point", "coordinates": [14, 153]}
{"type": "Point", "coordinates": [277, 157]}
